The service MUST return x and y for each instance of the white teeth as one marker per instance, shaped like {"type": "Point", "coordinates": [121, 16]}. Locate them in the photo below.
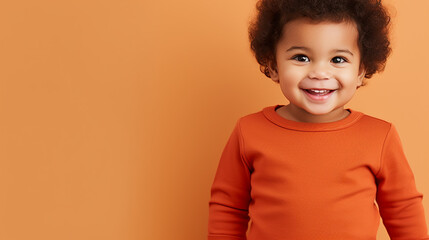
{"type": "Point", "coordinates": [318, 91]}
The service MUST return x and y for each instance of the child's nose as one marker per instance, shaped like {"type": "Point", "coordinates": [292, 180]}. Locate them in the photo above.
{"type": "Point", "coordinates": [320, 72]}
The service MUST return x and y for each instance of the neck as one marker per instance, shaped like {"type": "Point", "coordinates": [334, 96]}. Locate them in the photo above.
{"type": "Point", "coordinates": [297, 114]}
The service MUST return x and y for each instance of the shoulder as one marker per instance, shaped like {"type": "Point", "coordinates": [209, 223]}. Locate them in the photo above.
{"type": "Point", "coordinates": [374, 122]}
{"type": "Point", "coordinates": [253, 124]}
{"type": "Point", "coordinates": [254, 119]}
{"type": "Point", "coordinates": [373, 128]}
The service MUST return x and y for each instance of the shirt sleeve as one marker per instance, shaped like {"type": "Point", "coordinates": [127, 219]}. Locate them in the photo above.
{"type": "Point", "coordinates": [399, 201]}
{"type": "Point", "coordinates": [230, 193]}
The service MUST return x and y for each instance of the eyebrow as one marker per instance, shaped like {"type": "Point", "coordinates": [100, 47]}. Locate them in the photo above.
{"type": "Point", "coordinates": [307, 49]}
{"type": "Point", "coordinates": [297, 48]}
{"type": "Point", "coordinates": [343, 51]}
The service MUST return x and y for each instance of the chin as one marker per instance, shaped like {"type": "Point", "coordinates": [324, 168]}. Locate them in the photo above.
{"type": "Point", "coordinates": [319, 111]}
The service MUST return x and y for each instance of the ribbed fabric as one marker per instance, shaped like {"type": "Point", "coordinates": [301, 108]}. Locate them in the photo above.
{"type": "Point", "coordinates": [297, 180]}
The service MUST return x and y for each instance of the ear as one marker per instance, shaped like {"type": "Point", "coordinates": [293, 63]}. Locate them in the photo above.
{"type": "Point", "coordinates": [274, 75]}
{"type": "Point", "coordinates": [361, 77]}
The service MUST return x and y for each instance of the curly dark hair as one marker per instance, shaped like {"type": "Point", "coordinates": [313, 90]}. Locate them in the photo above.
{"type": "Point", "coordinates": [371, 17]}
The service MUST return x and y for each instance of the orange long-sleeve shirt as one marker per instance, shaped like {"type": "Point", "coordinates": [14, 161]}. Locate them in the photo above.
{"type": "Point", "coordinates": [306, 181]}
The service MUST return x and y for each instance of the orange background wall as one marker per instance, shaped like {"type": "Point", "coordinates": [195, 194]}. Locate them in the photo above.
{"type": "Point", "coordinates": [113, 114]}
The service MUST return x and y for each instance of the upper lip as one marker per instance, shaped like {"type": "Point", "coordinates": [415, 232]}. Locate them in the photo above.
{"type": "Point", "coordinates": [320, 89]}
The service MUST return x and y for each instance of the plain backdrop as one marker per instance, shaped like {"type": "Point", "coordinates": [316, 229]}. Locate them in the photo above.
{"type": "Point", "coordinates": [113, 114]}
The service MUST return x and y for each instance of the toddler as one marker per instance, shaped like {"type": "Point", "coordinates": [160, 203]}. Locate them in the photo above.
{"type": "Point", "coordinates": [313, 169]}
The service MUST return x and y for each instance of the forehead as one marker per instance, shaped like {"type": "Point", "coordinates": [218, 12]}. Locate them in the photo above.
{"type": "Point", "coordinates": [320, 35]}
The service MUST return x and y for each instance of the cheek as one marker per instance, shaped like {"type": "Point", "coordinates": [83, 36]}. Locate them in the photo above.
{"type": "Point", "coordinates": [290, 85]}
{"type": "Point", "coordinates": [350, 78]}
{"type": "Point", "coordinates": [292, 74]}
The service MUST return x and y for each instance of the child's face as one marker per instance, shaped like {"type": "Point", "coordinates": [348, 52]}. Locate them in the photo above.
{"type": "Point", "coordinates": [318, 66]}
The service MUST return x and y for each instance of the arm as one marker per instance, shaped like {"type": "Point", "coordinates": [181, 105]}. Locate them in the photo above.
{"type": "Point", "coordinates": [230, 193]}
{"type": "Point", "coordinates": [400, 203]}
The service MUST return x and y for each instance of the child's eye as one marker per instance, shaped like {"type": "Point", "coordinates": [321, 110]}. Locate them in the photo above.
{"type": "Point", "coordinates": [339, 60]}
{"type": "Point", "coordinates": [301, 58]}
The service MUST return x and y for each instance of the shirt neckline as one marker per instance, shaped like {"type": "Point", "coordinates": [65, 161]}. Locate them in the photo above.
{"type": "Point", "coordinates": [271, 114]}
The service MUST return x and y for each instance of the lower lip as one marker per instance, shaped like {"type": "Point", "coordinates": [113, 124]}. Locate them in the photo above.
{"type": "Point", "coordinates": [318, 98]}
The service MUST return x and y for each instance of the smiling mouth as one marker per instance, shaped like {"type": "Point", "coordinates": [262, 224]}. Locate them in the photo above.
{"type": "Point", "coordinates": [318, 92]}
